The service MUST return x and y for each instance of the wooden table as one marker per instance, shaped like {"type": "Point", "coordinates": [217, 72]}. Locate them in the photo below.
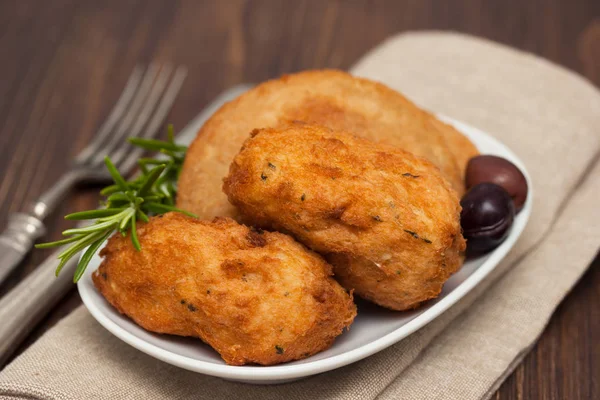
{"type": "Point", "coordinates": [64, 63]}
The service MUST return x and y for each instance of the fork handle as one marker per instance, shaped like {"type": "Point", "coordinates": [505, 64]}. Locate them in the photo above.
{"type": "Point", "coordinates": [23, 229]}
{"type": "Point", "coordinates": [55, 194]}
{"type": "Point", "coordinates": [28, 302]}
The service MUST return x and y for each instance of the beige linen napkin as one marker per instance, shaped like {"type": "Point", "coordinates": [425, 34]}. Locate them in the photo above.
{"type": "Point", "coordinates": [547, 115]}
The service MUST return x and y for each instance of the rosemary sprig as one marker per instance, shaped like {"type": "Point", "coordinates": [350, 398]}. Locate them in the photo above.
{"type": "Point", "coordinates": [126, 202]}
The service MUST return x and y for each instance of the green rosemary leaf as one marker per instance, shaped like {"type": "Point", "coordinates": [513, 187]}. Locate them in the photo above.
{"type": "Point", "coordinates": [93, 214]}
{"type": "Point", "coordinates": [165, 191]}
{"type": "Point", "coordinates": [171, 133]}
{"type": "Point", "coordinates": [169, 153]}
{"type": "Point", "coordinates": [131, 195]}
{"type": "Point", "coordinates": [151, 177]}
{"type": "Point", "coordinates": [151, 161]}
{"type": "Point", "coordinates": [119, 196]}
{"type": "Point", "coordinates": [117, 217]}
{"type": "Point", "coordinates": [134, 237]}
{"type": "Point", "coordinates": [58, 242]}
{"type": "Point", "coordinates": [126, 218]}
{"type": "Point", "coordinates": [163, 208]}
{"type": "Point", "coordinates": [135, 183]}
{"type": "Point", "coordinates": [171, 188]}
{"type": "Point", "coordinates": [116, 175]}
{"type": "Point", "coordinates": [155, 197]}
{"type": "Point", "coordinates": [166, 196]}
{"type": "Point", "coordinates": [110, 190]}
{"type": "Point", "coordinates": [92, 228]}
{"type": "Point", "coordinates": [60, 266]}
{"type": "Point", "coordinates": [118, 204]}
{"type": "Point", "coordinates": [156, 145]}
{"type": "Point", "coordinates": [142, 215]}
{"type": "Point", "coordinates": [81, 244]}
{"type": "Point", "coordinates": [87, 257]}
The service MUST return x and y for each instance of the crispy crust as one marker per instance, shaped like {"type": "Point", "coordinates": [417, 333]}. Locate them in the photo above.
{"type": "Point", "coordinates": [461, 147]}
{"type": "Point", "coordinates": [386, 219]}
{"type": "Point", "coordinates": [327, 97]}
{"type": "Point", "coordinates": [254, 296]}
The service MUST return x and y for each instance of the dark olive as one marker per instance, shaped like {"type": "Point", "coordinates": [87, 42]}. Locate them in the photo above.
{"type": "Point", "coordinates": [500, 171]}
{"type": "Point", "coordinates": [486, 217]}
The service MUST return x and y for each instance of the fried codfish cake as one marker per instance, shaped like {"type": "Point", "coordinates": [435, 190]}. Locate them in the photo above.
{"type": "Point", "coordinates": [462, 149]}
{"type": "Point", "coordinates": [386, 219]}
{"type": "Point", "coordinates": [330, 98]}
{"type": "Point", "coordinates": [254, 296]}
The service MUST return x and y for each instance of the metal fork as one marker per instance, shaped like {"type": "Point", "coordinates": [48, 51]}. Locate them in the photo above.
{"type": "Point", "coordinates": [142, 107]}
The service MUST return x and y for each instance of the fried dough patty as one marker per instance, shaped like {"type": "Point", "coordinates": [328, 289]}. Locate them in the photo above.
{"type": "Point", "coordinates": [256, 297]}
{"type": "Point", "coordinates": [330, 98]}
{"type": "Point", "coordinates": [386, 219]}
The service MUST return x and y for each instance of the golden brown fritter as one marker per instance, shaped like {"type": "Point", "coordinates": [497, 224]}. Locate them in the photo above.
{"type": "Point", "coordinates": [330, 98]}
{"type": "Point", "coordinates": [461, 147]}
{"type": "Point", "coordinates": [386, 219]}
{"type": "Point", "coordinates": [254, 296]}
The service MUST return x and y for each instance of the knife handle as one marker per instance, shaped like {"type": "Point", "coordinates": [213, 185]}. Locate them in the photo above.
{"type": "Point", "coordinates": [27, 303]}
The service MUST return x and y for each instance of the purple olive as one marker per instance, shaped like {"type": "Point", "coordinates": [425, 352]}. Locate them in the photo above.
{"type": "Point", "coordinates": [486, 217]}
{"type": "Point", "coordinates": [500, 171]}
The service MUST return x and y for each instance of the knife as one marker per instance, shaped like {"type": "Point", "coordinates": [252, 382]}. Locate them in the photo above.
{"type": "Point", "coordinates": [28, 302]}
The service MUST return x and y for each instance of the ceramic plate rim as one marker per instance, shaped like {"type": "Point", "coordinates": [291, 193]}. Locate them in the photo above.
{"type": "Point", "coordinates": [286, 371]}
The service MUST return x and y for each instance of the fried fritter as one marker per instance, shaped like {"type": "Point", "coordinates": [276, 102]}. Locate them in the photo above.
{"type": "Point", "coordinates": [461, 147]}
{"type": "Point", "coordinates": [386, 219]}
{"type": "Point", "coordinates": [330, 98]}
{"type": "Point", "coordinates": [254, 296]}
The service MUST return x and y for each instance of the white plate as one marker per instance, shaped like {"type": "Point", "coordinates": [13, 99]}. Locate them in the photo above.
{"type": "Point", "coordinates": [373, 330]}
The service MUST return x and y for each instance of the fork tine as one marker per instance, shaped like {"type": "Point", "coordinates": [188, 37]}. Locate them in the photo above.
{"type": "Point", "coordinates": [134, 153]}
{"type": "Point", "coordinates": [151, 102]}
{"type": "Point", "coordinates": [167, 102]}
{"type": "Point", "coordinates": [113, 149]}
{"type": "Point", "coordinates": [114, 116]}
{"type": "Point", "coordinates": [129, 118]}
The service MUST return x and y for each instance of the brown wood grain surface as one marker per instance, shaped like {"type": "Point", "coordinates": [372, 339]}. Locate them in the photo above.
{"type": "Point", "coordinates": [65, 62]}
